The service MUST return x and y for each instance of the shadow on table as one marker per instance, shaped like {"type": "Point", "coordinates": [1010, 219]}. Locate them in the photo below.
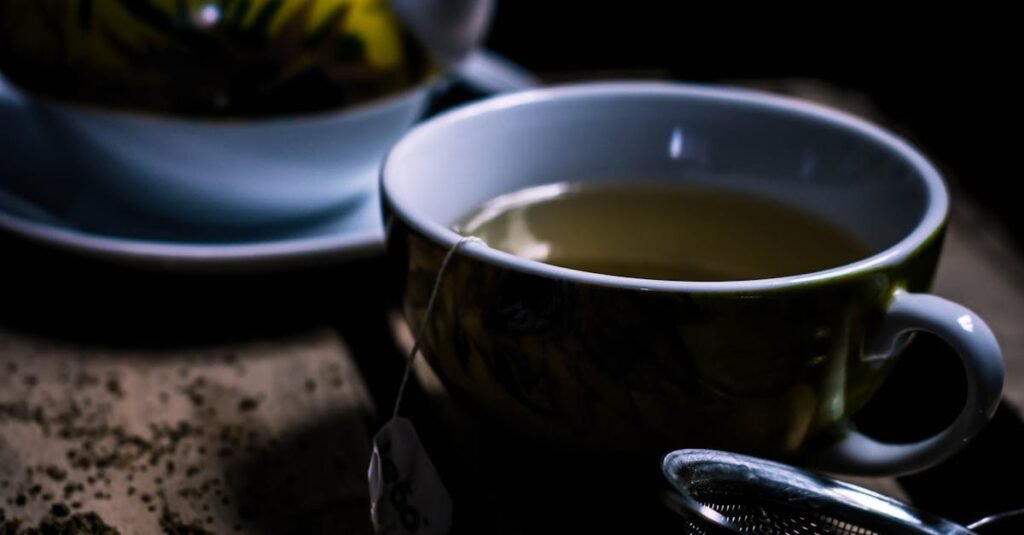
{"type": "Point", "coordinates": [309, 481]}
{"type": "Point", "coordinates": [982, 480]}
{"type": "Point", "coordinates": [923, 395]}
{"type": "Point", "coordinates": [59, 295]}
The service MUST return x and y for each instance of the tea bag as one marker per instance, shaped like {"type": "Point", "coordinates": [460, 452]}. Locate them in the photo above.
{"type": "Point", "coordinates": [406, 492]}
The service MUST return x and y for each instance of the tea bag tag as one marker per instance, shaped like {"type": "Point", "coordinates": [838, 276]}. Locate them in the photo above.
{"type": "Point", "coordinates": [406, 492]}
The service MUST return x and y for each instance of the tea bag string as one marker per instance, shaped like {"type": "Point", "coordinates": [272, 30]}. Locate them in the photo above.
{"type": "Point", "coordinates": [426, 319]}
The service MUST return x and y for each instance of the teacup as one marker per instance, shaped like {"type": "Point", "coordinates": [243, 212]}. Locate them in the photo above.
{"type": "Point", "coordinates": [241, 171]}
{"type": "Point", "coordinates": [773, 367]}
{"type": "Point", "coordinates": [236, 174]}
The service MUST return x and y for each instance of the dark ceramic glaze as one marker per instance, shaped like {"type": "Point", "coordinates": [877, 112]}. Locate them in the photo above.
{"type": "Point", "coordinates": [761, 372]}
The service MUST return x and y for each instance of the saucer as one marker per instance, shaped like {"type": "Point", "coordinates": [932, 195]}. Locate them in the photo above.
{"type": "Point", "coordinates": [42, 199]}
{"type": "Point", "coordinates": [98, 228]}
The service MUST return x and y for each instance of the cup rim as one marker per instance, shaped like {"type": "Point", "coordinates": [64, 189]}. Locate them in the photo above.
{"type": "Point", "coordinates": [926, 229]}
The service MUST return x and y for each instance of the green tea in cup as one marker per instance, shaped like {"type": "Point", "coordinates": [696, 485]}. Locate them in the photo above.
{"type": "Point", "coordinates": [652, 230]}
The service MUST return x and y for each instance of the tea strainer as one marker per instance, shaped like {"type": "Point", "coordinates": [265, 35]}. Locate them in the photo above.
{"type": "Point", "coordinates": [719, 493]}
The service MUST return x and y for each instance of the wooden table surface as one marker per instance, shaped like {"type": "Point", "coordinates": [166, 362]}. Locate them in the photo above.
{"type": "Point", "coordinates": [165, 403]}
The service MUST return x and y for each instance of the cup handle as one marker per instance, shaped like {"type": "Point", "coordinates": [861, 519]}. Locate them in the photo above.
{"type": "Point", "coordinates": [974, 343]}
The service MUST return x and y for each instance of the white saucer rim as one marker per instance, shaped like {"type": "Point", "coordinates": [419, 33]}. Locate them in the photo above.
{"type": "Point", "coordinates": [250, 256]}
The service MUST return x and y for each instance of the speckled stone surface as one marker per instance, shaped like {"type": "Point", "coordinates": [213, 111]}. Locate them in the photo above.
{"type": "Point", "coordinates": [249, 437]}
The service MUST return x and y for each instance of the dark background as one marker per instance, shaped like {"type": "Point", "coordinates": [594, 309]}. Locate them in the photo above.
{"type": "Point", "coordinates": [939, 76]}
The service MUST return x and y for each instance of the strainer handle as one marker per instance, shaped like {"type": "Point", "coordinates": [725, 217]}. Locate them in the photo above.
{"type": "Point", "coordinates": [982, 360]}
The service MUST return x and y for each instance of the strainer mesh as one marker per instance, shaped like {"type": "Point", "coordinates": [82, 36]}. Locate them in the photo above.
{"type": "Point", "coordinates": [753, 513]}
{"type": "Point", "coordinates": [723, 493]}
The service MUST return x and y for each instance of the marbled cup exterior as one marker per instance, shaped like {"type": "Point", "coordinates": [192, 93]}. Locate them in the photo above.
{"type": "Point", "coordinates": [578, 364]}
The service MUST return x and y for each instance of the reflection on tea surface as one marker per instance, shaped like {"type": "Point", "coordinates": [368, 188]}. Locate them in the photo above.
{"type": "Point", "coordinates": [661, 231]}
